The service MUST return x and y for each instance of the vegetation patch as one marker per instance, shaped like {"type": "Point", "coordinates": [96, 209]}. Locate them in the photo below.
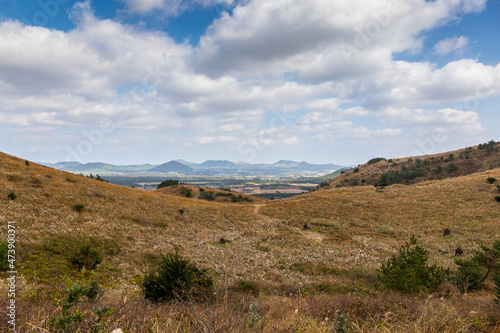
{"type": "Point", "coordinates": [176, 278]}
{"type": "Point", "coordinates": [168, 183]}
{"type": "Point", "coordinates": [52, 258]}
{"type": "Point", "coordinates": [408, 272]}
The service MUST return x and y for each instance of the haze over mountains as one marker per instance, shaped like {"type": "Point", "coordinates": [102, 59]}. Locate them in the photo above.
{"type": "Point", "coordinates": [210, 167]}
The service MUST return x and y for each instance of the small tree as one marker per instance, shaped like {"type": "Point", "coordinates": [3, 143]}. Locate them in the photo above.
{"type": "Point", "coordinates": [409, 272]}
{"type": "Point", "coordinates": [86, 257]}
{"type": "Point", "coordinates": [474, 271]}
{"type": "Point", "coordinates": [491, 180]}
{"type": "Point", "coordinates": [176, 277]}
{"type": "Point", "coordinates": [12, 196]}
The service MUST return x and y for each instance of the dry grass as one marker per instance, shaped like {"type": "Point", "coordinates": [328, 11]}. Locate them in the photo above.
{"type": "Point", "coordinates": [468, 161]}
{"type": "Point", "coordinates": [302, 276]}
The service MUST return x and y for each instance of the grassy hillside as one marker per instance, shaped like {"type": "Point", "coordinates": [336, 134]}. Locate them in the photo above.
{"type": "Point", "coordinates": [273, 275]}
{"type": "Point", "coordinates": [209, 194]}
{"type": "Point", "coordinates": [411, 170]}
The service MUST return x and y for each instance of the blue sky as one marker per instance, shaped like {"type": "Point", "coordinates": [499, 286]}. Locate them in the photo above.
{"type": "Point", "coordinates": [148, 81]}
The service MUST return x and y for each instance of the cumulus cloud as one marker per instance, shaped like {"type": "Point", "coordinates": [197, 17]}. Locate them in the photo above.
{"type": "Point", "coordinates": [273, 73]}
{"type": "Point", "coordinates": [449, 45]}
{"type": "Point", "coordinates": [320, 40]}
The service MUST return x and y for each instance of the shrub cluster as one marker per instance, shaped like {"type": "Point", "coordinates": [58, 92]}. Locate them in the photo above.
{"type": "Point", "coordinates": [474, 271]}
{"type": "Point", "coordinates": [168, 183]}
{"type": "Point", "coordinates": [86, 257]}
{"type": "Point", "coordinates": [176, 278]}
{"type": "Point", "coordinates": [375, 160]}
{"type": "Point", "coordinates": [408, 272]}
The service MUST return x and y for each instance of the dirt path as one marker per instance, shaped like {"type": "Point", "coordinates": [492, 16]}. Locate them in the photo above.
{"type": "Point", "coordinates": [257, 208]}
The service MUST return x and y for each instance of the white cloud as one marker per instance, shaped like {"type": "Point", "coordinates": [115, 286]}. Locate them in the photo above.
{"type": "Point", "coordinates": [449, 45]}
{"type": "Point", "coordinates": [273, 72]}
{"type": "Point", "coordinates": [320, 40]}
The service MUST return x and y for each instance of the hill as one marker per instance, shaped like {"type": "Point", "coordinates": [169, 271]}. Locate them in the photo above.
{"type": "Point", "coordinates": [209, 194]}
{"type": "Point", "coordinates": [411, 170]}
{"type": "Point", "coordinates": [172, 166]}
{"type": "Point", "coordinates": [273, 275]}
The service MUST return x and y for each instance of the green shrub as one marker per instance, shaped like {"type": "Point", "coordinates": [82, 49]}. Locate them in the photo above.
{"type": "Point", "coordinates": [168, 182]}
{"type": "Point", "coordinates": [207, 195]}
{"type": "Point", "coordinates": [12, 196]}
{"type": "Point", "coordinates": [86, 257]}
{"type": "Point", "coordinates": [497, 198]}
{"type": "Point", "coordinates": [474, 271]}
{"type": "Point", "coordinates": [408, 272]}
{"type": "Point", "coordinates": [248, 287]}
{"type": "Point", "coordinates": [181, 210]}
{"type": "Point", "coordinates": [176, 277]}
{"type": "Point", "coordinates": [4, 250]}
{"type": "Point", "coordinates": [356, 170]}
{"type": "Point", "coordinates": [376, 160]}
{"type": "Point", "coordinates": [469, 276]}
{"type": "Point", "coordinates": [71, 318]}
{"type": "Point", "coordinates": [496, 281]}
{"type": "Point", "coordinates": [451, 167]}
{"type": "Point", "coordinates": [185, 192]}
{"type": "Point", "coordinates": [78, 208]}
{"type": "Point", "coordinates": [491, 180]}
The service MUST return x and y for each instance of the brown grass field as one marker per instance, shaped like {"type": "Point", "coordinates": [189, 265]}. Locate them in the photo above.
{"type": "Point", "coordinates": [432, 167]}
{"type": "Point", "coordinates": [301, 280]}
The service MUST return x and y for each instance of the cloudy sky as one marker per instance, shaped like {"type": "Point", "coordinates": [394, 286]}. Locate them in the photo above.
{"type": "Point", "coordinates": [340, 81]}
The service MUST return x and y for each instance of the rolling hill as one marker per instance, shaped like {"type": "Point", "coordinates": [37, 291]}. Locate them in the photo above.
{"type": "Point", "coordinates": [172, 166]}
{"type": "Point", "coordinates": [285, 276]}
{"type": "Point", "coordinates": [411, 170]}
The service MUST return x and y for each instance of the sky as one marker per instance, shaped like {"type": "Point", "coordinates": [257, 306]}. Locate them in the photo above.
{"type": "Point", "coordinates": [322, 81]}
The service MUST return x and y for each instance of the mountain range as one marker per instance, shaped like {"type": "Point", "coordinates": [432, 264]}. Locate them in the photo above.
{"type": "Point", "coordinates": [210, 167]}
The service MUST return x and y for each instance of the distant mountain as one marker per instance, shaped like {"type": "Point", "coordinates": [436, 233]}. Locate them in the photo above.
{"type": "Point", "coordinates": [97, 167]}
{"type": "Point", "coordinates": [218, 164]}
{"type": "Point", "coordinates": [172, 166]}
{"type": "Point", "coordinates": [207, 168]}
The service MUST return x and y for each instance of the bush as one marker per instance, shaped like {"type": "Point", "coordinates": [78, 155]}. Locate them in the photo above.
{"type": "Point", "coordinates": [451, 167]}
{"type": "Point", "coordinates": [474, 271]}
{"type": "Point", "coordinates": [185, 192]}
{"type": "Point", "coordinates": [176, 277]}
{"type": "Point", "coordinates": [207, 195]}
{"type": "Point", "coordinates": [78, 208]}
{"type": "Point", "coordinates": [376, 160]}
{"type": "Point", "coordinates": [409, 272]}
{"type": "Point", "coordinates": [469, 276]}
{"type": "Point", "coordinates": [71, 318]}
{"type": "Point", "coordinates": [86, 257]}
{"type": "Point", "coordinates": [498, 188]}
{"type": "Point", "coordinates": [491, 180]}
{"type": "Point", "coordinates": [496, 280]}
{"type": "Point", "coordinates": [4, 262]}
{"type": "Point", "coordinates": [12, 196]}
{"type": "Point", "coordinates": [497, 198]}
{"type": "Point", "coordinates": [167, 183]}
{"type": "Point", "coordinates": [248, 287]}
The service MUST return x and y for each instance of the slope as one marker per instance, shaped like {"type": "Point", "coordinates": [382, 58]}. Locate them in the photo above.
{"type": "Point", "coordinates": [411, 170]}
{"type": "Point", "coordinates": [334, 262]}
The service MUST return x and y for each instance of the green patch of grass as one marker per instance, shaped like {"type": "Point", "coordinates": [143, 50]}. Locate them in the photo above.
{"type": "Point", "coordinates": [48, 261]}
